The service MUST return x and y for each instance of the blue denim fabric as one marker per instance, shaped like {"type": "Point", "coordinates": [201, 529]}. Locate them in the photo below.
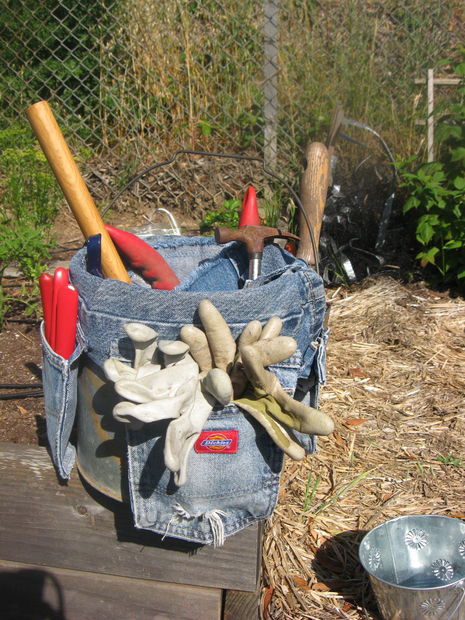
{"type": "Point", "coordinates": [235, 488]}
{"type": "Point", "coordinates": [59, 377]}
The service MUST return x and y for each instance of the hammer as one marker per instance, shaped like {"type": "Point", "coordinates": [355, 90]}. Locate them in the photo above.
{"type": "Point", "coordinates": [254, 238]}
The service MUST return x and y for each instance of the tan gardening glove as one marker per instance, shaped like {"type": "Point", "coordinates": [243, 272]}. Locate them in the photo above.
{"type": "Point", "coordinates": [256, 390]}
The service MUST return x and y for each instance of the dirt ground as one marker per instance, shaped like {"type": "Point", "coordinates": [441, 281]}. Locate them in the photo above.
{"type": "Point", "coordinates": [395, 388]}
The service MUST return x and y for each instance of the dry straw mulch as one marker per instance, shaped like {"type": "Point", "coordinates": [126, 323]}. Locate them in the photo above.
{"type": "Point", "coordinates": [396, 384]}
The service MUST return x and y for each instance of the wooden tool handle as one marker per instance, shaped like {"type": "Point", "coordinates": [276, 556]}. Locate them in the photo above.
{"type": "Point", "coordinates": [313, 190]}
{"type": "Point", "coordinates": [73, 185]}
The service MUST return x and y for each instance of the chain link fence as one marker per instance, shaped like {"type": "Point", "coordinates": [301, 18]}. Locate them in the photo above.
{"type": "Point", "coordinates": [133, 81]}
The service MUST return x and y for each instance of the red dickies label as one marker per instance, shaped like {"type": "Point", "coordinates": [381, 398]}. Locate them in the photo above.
{"type": "Point", "coordinates": [217, 441]}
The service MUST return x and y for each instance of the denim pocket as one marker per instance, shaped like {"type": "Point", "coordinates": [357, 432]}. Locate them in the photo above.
{"type": "Point", "coordinates": [59, 377]}
{"type": "Point", "coordinates": [241, 486]}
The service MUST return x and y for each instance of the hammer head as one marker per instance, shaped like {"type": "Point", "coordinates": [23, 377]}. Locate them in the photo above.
{"type": "Point", "coordinates": [253, 237]}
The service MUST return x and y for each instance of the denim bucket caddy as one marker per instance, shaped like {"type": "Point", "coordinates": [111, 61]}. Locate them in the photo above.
{"type": "Point", "coordinates": [224, 492]}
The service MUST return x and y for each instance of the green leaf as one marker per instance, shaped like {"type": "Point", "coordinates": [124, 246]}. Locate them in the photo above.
{"type": "Point", "coordinates": [426, 228]}
{"type": "Point", "coordinates": [446, 131]}
{"type": "Point", "coordinates": [458, 153]}
{"type": "Point", "coordinates": [411, 203]}
{"type": "Point", "coordinates": [452, 245]}
{"type": "Point", "coordinates": [459, 69]}
{"type": "Point", "coordinates": [459, 182]}
{"type": "Point", "coordinates": [428, 257]}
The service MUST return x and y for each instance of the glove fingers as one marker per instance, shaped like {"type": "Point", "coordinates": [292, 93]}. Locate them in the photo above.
{"type": "Point", "coordinates": [305, 419]}
{"type": "Point", "coordinates": [182, 433]}
{"type": "Point", "coordinates": [150, 412]}
{"type": "Point", "coordinates": [277, 432]}
{"type": "Point", "coordinates": [180, 476]}
{"type": "Point", "coordinates": [222, 344]}
{"type": "Point", "coordinates": [250, 334]}
{"type": "Point", "coordinates": [115, 370]}
{"type": "Point", "coordinates": [272, 327]}
{"type": "Point", "coordinates": [295, 414]}
{"type": "Point", "coordinates": [144, 339]}
{"type": "Point", "coordinates": [198, 345]}
{"type": "Point", "coordinates": [277, 349]}
{"type": "Point", "coordinates": [132, 390]}
{"type": "Point", "coordinates": [218, 384]}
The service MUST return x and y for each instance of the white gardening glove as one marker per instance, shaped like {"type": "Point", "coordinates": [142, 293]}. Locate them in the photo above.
{"type": "Point", "coordinates": [173, 389]}
{"type": "Point", "coordinates": [153, 391]}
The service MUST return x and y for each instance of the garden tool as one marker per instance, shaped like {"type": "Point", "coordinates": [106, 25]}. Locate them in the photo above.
{"type": "Point", "coordinates": [60, 280]}
{"type": "Point", "coordinates": [313, 190]}
{"type": "Point", "coordinates": [249, 210]}
{"type": "Point", "coordinates": [60, 307]}
{"type": "Point", "coordinates": [254, 238]}
{"type": "Point", "coordinates": [74, 188]}
{"type": "Point", "coordinates": [143, 257]}
{"type": "Point", "coordinates": [46, 295]}
{"type": "Point", "coordinates": [66, 321]}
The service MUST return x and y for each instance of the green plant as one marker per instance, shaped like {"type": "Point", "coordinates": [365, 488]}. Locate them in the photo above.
{"type": "Point", "coordinates": [450, 460]}
{"type": "Point", "coordinates": [436, 197]}
{"type": "Point", "coordinates": [310, 491]}
{"type": "Point", "coordinates": [29, 198]}
{"type": "Point", "coordinates": [227, 215]}
{"type": "Point", "coordinates": [29, 248]}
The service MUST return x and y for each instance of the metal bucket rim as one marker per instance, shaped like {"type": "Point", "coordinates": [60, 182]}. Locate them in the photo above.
{"type": "Point", "coordinates": [455, 583]}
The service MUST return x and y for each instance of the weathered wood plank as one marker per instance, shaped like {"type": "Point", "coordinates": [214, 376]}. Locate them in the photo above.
{"type": "Point", "coordinates": [29, 591]}
{"type": "Point", "coordinates": [46, 523]}
{"type": "Point", "coordinates": [241, 605]}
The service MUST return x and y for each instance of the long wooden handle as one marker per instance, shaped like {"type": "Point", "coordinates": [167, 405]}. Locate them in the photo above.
{"type": "Point", "coordinates": [73, 185]}
{"type": "Point", "coordinates": [313, 190]}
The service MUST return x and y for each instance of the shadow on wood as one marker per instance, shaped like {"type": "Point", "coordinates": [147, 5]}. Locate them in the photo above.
{"type": "Point", "coordinates": [57, 539]}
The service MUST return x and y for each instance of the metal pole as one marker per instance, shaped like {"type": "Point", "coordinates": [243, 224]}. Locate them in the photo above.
{"type": "Point", "coordinates": [270, 84]}
{"type": "Point", "coordinates": [430, 121]}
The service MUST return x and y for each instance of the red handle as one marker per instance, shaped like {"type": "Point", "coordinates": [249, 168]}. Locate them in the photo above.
{"type": "Point", "coordinates": [46, 295]}
{"type": "Point", "coordinates": [66, 321]}
{"type": "Point", "coordinates": [249, 210]}
{"type": "Point", "coordinates": [141, 256]}
{"type": "Point", "coordinates": [60, 280]}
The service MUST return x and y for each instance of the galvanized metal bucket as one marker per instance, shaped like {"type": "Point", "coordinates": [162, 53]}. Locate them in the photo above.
{"type": "Point", "coordinates": [101, 444]}
{"type": "Point", "coordinates": [416, 566]}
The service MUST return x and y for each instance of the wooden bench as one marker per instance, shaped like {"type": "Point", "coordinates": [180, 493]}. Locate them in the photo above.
{"type": "Point", "coordinates": [74, 554]}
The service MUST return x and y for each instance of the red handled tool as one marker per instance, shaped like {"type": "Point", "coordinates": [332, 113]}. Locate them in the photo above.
{"type": "Point", "coordinates": [60, 308]}
{"type": "Point", "coordinates": [144, 258]}
{"type": "Point", "coordinates": [46, 295]}
{"type": "Point", "coordinates": [66, 320]}
{"type": "Point", "coordinates": [60, 280]}
{"type": "Point", "coordinates": [249, 211]}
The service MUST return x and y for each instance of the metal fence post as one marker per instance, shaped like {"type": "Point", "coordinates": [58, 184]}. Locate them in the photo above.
{"type": "Point", "coordinates": [270, 82]}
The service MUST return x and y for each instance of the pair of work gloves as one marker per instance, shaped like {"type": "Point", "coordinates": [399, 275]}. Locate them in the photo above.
{"type": "Point", "coordinates": [190, 376]}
